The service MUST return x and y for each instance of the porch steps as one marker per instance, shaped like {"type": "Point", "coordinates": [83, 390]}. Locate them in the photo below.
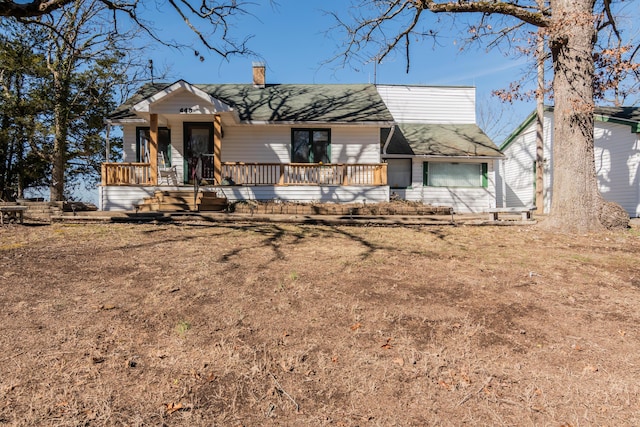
{"type": "Point", "coordinates": [183, 201]}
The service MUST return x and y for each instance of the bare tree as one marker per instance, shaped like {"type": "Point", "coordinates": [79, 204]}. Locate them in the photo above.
{"type": "Point", "coordinates": [209, 20]}
{"type": "Point", "coordinates": [377, 27]}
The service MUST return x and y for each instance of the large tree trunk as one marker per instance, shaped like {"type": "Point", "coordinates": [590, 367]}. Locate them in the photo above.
{"type": "Point", "coordinates": [576, 204]}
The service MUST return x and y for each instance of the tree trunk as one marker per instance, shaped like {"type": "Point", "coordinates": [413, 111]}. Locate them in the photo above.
{"type": "Point", "coordinates": [56, 189]}
{"type": "Point", "coordinates": [540, 54]}
{"type": "Point", "coordinates": [576, 202]}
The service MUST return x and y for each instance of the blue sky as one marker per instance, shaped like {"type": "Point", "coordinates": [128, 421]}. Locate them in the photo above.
{"type": "Point", "coordinates": [292, 39]}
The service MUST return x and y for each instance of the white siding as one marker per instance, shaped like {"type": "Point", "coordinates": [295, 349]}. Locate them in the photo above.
{"type": "Point", "coordinates": [617, 160]}
{"type": "Point", "coordinates": [129, 143]}
{"type": "Point", "coordinates": [519, 172]}
{"type": "Point", "coordinates": [124, 198]}
{"type": "Point", "coordinates": [518, 167]}
{"type": "Point", "coordinates": [256, 144]}
{"type": "Point", "coordinates": [617, 155]}
{"type": "Point", "coordinates": [430, 104]}
{"type": "Point", "coordinates": [335, 194]}
{"type": "Point", "coordinates": [272, 144]}
{"type": "Point", "coordinates": [462, 200]}
{"type": "Point", "coordinates": [355, 144]}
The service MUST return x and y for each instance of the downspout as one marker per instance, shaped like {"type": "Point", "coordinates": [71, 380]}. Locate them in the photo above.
{"type": "Point", "coordinates": [386, 143]}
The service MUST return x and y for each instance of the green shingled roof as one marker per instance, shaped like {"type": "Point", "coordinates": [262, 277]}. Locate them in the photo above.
{"type": "Point", "coordinates": [287, 102]}
{"type": "Point", "coordinates": [442, 140]}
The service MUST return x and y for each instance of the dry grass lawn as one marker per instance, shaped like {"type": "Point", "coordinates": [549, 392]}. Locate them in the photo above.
{"type": "Point", "coordinates": [265, 324]}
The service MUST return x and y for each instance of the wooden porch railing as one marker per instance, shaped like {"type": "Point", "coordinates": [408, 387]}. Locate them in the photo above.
{"type": "Point", "coordinates": [304, 174]}
{"type": "Point", "coordinates": [126, 174]}
{"type": "Point", "coordinates": [262, 174]}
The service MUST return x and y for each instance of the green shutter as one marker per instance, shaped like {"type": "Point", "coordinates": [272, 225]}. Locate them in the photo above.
{"type": "Point", "coordinates": [485, 177]}
{"type": "Point", "coordinates": [425, 174]}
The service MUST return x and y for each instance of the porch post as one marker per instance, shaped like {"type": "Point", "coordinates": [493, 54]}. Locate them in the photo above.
{"type": "Point", "coordinates": [153, 148]}
{"type": "Point", "coordinates": [217, 149]}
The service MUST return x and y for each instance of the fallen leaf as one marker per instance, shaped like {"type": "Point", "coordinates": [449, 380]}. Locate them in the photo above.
{"type": "Point", "coordinates": [356, 326]}
{"type": "Point", "coordinates": [173, 407]}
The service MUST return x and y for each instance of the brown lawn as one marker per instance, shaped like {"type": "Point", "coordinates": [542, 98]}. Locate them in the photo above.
{"type": "Point", "coordinates": [265, 324]}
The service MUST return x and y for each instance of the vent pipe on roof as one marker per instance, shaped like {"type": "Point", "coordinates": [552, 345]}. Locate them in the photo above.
{"type": "Point", "coordinates": [259, 78]}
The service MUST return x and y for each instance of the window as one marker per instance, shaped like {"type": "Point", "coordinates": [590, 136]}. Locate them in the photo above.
{"type": "Point", "coordinates": [437, 174]}
{"type": "Point", "coordinates": [142, 144]}
{"type": "Point", "coordinates": [311, 146]}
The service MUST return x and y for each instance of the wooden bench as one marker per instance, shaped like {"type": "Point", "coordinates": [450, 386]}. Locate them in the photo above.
{"type": "Point", "coordinates": [12, 212]}
{"type": "Point", "coordinates": [526, 212]}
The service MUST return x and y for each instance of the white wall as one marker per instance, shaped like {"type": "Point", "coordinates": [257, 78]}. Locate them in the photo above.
{"type": "Point", "coordinates": [617, 159]}
{"type": "Point", "coordinates": [271, 144]}
{"type": "Point", "coordinates": [617, 155]}
{"type": "Point", "coordinates": [125, 198]}
{"type": "Point", "coordinates": [430, 104]}
{"type": "Point", "coordinates": [462, 200]}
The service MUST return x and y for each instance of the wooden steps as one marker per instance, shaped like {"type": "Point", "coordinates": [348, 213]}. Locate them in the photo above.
{"type": "Point", "coordinates": [183, 201]}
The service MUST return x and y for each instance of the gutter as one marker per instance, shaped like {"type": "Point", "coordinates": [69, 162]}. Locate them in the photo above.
{"type": "Point", "coordinates": [442, 156]}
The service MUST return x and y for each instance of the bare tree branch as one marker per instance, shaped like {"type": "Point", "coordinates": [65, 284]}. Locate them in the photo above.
{"type": "Point", "coordinates": [213, 15]}
{"type": "Point", "coordinates": [530, 15]}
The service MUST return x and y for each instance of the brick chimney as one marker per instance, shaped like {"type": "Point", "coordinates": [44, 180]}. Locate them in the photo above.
{"type": "Point", "coordinates": [259, 79]}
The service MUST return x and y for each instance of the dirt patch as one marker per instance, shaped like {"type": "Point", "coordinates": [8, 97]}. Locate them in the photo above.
{"type": "Point", "coordinates": [265, 324]}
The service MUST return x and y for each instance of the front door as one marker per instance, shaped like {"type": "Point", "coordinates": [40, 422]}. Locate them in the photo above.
{"type": "Point", "coordinates": [198, 143]}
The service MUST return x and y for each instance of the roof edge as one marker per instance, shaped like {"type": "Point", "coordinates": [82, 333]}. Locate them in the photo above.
{"type": "Point", "coordinates": [525, 124]}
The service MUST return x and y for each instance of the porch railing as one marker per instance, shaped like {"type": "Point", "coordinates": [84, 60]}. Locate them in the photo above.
{"type": "Point", "coordinates": [126, 174]}
{"type": "Point", "coordinates": [304, 174]}
{"type": "Point", "coordinates": [262, 174]}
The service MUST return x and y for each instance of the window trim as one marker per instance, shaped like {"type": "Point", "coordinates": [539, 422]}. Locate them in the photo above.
{"type": "Point", "coordinates": [310, 131]}
{"type": "Point", "coordinates": [484, 175]}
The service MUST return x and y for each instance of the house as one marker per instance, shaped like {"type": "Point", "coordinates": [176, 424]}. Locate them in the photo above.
{"type": "Point", "coordinates": [436, 153]}
{"type": "Point", "coordinates": [300, 142]}
{"type": "Point", "coordinates": [617, 159]}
